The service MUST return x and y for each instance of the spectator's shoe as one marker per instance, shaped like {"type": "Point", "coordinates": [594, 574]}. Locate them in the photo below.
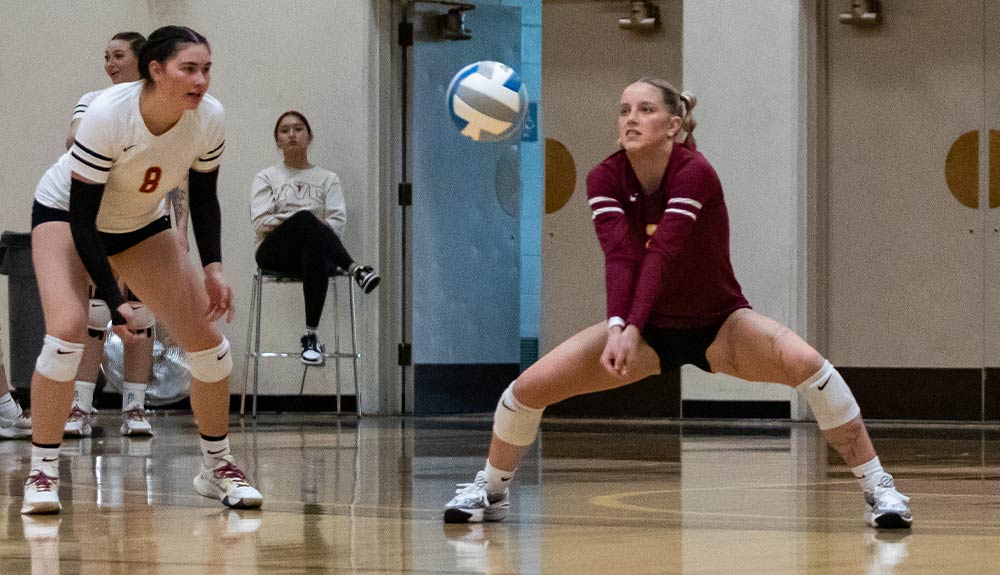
{"type": "Point", "coordinates": [41, 494]}
{"type": "Point", "coordinates": [472, 504]}
{"type": "Point", "coordinates": [312, 350]}
{"type": "Point", "coordinates": [134, 423]}
{"type": "Point", "coordinates": [78, 424]}
{"type": "Point", "coordinates": [15, 428]}
{"type": "Point", "coordinates": [886, 507]}
{"type": "Point", "coordinates": [227, 483]}
{"type": "Point", "coordinates": [366, 278]}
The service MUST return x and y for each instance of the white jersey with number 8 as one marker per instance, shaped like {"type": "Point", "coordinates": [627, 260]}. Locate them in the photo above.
{"type": "Point", "coordinates": [112, 134]}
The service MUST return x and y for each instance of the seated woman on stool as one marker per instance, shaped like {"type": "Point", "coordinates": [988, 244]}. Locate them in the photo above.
{"type": "Point", "coordinates": [298, 213]}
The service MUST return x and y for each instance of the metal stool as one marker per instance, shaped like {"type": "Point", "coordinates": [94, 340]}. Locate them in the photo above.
{"type": "Point", "coordinates": [253, 351]}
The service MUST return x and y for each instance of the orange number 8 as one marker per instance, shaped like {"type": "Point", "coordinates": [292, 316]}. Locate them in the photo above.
{"type": "Point", "coordinates": [151, 181]}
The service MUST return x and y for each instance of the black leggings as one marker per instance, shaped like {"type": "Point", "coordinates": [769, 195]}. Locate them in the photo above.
{"type": "Point", "coordinates": [305, 247]}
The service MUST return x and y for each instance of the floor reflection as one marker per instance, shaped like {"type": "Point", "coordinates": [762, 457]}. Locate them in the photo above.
{"type": "Point", "coordinates": [343, 495]}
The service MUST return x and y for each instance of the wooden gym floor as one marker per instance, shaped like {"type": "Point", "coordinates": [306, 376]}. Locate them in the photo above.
{"type": "Point", "coordinates": [364, 496]}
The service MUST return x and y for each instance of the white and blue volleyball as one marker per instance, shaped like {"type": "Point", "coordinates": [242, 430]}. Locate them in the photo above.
{"type": "Point", "coordinates": [487, 101]}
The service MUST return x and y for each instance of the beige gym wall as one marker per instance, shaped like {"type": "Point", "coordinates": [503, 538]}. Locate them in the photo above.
{"type": "Point", "coordinates": [314, 56]}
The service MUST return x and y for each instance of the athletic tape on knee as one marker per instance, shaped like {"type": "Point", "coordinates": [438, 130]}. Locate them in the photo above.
{"type": "Point", "coordinates": [211, 365]}
{"type": "Point", "coordinates": [831, 400]}
{"type": "Point", "coordinates": [514, 422]}
{"type": "Point", "coordinates": [142, 317]}
{"type": "Point", "coordinates": [99, 316]}
{"type": "Point", "coordinates": [59, 359]}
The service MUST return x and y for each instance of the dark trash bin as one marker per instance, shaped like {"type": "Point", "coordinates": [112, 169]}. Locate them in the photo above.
{"type": "Point", "coordinates": [24, 306]}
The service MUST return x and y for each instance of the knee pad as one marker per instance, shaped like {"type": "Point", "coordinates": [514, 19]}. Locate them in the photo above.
{"type": "Point", "coordinates": [143, 319]}
{"type": "Point", "coordinates": [211, 365]}
{"type": "Point", "coordinates": [98, 318]}
{"type": "Point", "coordinates": [831, 400]}
{"type": "Point", "coordinates": [59, 359]}
{"type": "Point", "coordinates": [514, 422]}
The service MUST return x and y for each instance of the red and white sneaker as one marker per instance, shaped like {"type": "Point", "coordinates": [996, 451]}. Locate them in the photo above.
{"type": "Point", "coordinates": [227, 483]}
{"type": "Point", "coordinates": [78, 424]}
{"type": "Point", "coordinates": [41, 494]}
{"type": "Point", "coordinates": [134, 423]}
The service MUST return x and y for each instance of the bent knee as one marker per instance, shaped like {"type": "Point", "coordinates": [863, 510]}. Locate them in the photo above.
{"type": "Point", "coordinates": [528, 392]}
{"type": "Point", "coordinates": [805, 367]}
{"type": "Point", "coordinates": [66, 328]}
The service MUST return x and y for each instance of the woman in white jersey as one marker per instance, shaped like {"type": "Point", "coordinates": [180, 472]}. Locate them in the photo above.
{"type": "Point", "coordinates": [298, 213]}
{"type": "Point", "coordinates": [121, 63]}
{"type": "Point", "coordinates": [136, 142]}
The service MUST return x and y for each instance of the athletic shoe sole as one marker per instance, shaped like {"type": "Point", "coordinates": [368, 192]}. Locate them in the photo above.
{"type": "Point", "coordinates": [14, 433]}
{"type": "Point", "coordinates": [891, 521]}
{"type": "Point", "coordinates": [207, 489]}
{"type": "Point", "coordinates": [456, 515]}
{"type": "Point", "coordinates": [41, 508]}
{"type": "Point", "coordinates": [86, 432]}
{"type": "Point", "coordinates": [370, 286]}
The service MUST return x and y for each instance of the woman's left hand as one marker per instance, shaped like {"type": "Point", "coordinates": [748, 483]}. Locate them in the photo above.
{"type": "Point", "coordinates": [220, 293]}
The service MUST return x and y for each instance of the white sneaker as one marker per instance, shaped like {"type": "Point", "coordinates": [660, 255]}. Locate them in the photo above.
{"type": "Point", "coordinates": [886, 507]}
{"type": "Point", "coordinates": [472, 504]}
{"type": "Point", "coordinates": [15, 428]}
{"type": "Point", "coordinates": [78, 424]}
{"type": "Point", "coordinates": [312, 350]}
{"type": "Point", "coordinates": [227, 483]}
{"type": "Point", "coordinates": [41, 494]}
{"type": "Point", "coordinates": [134, 423]}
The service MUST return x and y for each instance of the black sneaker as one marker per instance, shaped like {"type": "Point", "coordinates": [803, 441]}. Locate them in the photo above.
{"type": "Point", "coordinates": [366, 277]}
{"type": "Point", "coordinates": [312, 350]}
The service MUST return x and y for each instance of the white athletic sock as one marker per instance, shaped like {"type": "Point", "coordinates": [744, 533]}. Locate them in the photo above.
{"type": "Point", "coordinates": [310, 330]}
{"type": "Point", "coordinates": [9, 409]}
{"type": "Point", "coordinates": [134, 396]}
{"type": "Point", "coordinates": [213, 451]}
{"type": "Point", "coordinates": [496, 479]}
{"type": "Point", "coordinates": [83, 395]}
{"type": "Point", "coordinates": [869, 473]}
{"type": "Point", "coordinates": [46, 460]}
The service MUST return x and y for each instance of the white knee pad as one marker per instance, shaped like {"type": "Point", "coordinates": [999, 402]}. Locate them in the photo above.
{"type": "Point", "coordinates": [831, 400]}
{"type": "Point", "coordinates": [59, 359]}
{"type": "Point", "coordinates": [99, 316]}
{"type": "Point", "coordinates": [514, 422]}
{"type": "Point", "coordinates": [211, 365]}
{"type": "Point", "coordinates": [142, 318]}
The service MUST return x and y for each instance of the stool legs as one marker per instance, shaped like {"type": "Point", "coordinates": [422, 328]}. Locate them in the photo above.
{"type": "Point", "coordinates": [254, 354]}
{"type": "Point", "coordinates": [259, 285]}
{"type": "Point", "coordinates": [255, 286]}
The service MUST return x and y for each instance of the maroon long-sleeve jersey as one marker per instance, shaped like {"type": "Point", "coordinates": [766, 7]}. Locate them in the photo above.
{"type": "Point", "coordinates": [666, 254]}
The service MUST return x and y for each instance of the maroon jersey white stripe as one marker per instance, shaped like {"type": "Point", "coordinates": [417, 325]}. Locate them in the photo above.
{"type": "Point", "coordinates": [667, 253]}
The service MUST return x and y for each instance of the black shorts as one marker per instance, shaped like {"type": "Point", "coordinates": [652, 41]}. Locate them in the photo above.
{"type": "Point", "coordinates": [677, 347]}
{"type": "Point", "coordinates": [113, 243]}
{"type": "Point", "coordinates": [98, 294]}
{"type": "Point", "coordinates": [41, 214]}
{"type": "Point", "coordinates": [117, 243]}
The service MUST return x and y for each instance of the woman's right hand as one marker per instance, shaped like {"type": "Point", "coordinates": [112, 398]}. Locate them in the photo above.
{"type": "Point", "coordinates": [611, 356]}
{"type": "Point", "coordinates": [126, 335]}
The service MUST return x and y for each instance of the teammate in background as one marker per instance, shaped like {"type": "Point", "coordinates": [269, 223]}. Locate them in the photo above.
{"type": "Point", "coordinates": [298, 213]}
{"type": "Point", "coordinates": [13, 423]}
{"type": "Point", "coordinates": [121, 57]}
{"type": "Point", "coordinates": [101, 205]}
{"type": "Point", "coordinates": [672, 299]}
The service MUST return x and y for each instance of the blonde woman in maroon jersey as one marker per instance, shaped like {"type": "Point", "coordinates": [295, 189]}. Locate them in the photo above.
{"type": "Point", "coordinates": [672, 299]}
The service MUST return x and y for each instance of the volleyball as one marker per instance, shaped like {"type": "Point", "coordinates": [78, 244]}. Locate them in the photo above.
{"type": "Point", "coordinates": [487, 101]}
